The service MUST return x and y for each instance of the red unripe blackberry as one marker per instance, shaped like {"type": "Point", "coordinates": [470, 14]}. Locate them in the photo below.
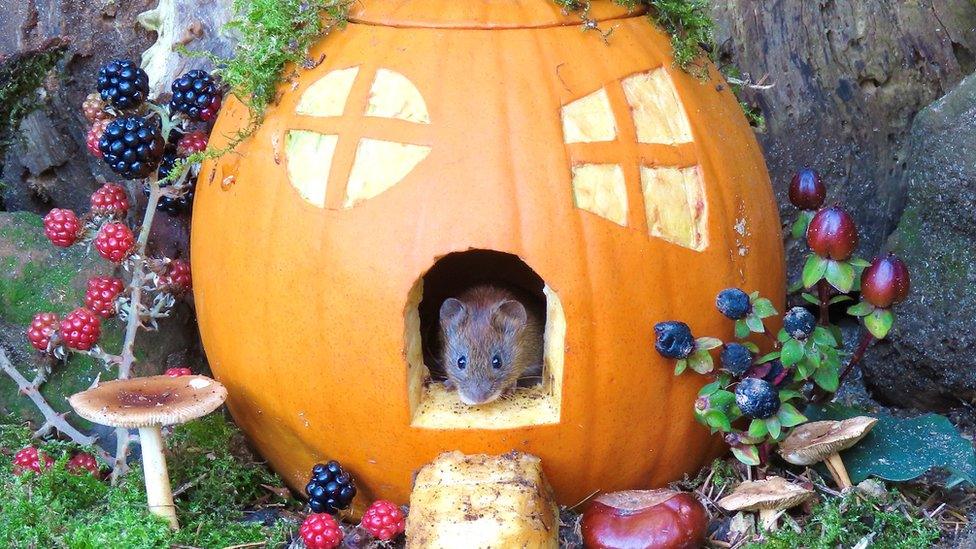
{"type": "Point", "coordinates": [31, 459]}
{"type": "Point", "coordinates": [178, 277]}
{"type": "Point", "coordinates": [95, 134]}
{"type": "Point", "coordinates": [102, 293]}
{"type": "Point", "coordinates": [41, 329]}
{"type": "Point", "coordinates": [190, 143]}
{"type": "Point", "coordinates": [81, 329]}
{"type": "Point", "coordinates": [384, 520]}
{"type": "Point", "coordinates": [321, 531]}
{"type": "Point", "coordinates": [832, 234]}
{"type": "Point", "coordinates": [93, 107]}
{"type": "Point", "coordinates": [885, 282]}
{"type": "Point", "coordinates": [110, 199]}
{"type": "Point", "coordinates": [82, 462]}
{"type": "Point", "coordinates": [62, 227]}
{"type": "Point", "coordinates": [178, 372]}
{"type": "Point", "coordinates": [807, 191]}
{"type": "Point", "coordinates": [114, 242]}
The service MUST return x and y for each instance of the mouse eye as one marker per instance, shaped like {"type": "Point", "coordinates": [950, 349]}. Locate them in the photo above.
{"type": "Point", "coordinates": [496, 362]}
{"type": "Point", "coordinates": [462, 362]}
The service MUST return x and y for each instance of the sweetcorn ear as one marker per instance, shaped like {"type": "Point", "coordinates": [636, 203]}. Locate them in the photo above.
{"type": "Point", "coordinates": [484, 501]}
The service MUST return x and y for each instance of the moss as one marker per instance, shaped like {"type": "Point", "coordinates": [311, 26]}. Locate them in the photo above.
{"type": "Point", "coordinates": [20, 76]}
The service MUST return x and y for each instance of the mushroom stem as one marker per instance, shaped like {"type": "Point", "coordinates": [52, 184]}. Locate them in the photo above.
{"type": "Point", "coordinates": [837, 470]}
{"type": "Point", "coordinates": [768, 519]}
{"type": "Point", "coordinates": [159, 493]}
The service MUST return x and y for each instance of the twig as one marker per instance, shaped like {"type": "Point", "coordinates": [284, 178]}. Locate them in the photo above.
{"type": "Point", "coordinates": [138, 274]}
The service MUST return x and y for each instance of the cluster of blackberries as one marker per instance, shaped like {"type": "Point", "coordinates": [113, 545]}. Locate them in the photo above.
{"type": "Point", "coordinates": [330, 489]}
{"type": "Point", "coordinates": [197, 95]}
{"type": "Point", "coordinates": [122, 84]}
{"type": "Point", "coordinates": [132, 146]}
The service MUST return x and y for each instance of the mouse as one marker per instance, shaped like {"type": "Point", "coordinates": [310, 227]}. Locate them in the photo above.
{"type": "Point", "coordinates": [490, 341]}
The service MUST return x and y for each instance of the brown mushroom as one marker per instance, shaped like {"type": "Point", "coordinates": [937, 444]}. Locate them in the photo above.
{"type": "Point", "coordinates": [148, 403]}
{"type": "Point", "coordinates": [769, 497]}
{"type": "Point", "coordinates": [822, 441]}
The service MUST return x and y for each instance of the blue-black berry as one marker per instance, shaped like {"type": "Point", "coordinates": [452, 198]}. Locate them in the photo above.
{"type": "Point", "coordinates": [132, 146]}
{"type": "Point", "coordinates": [674, 339]}
{"type": "Point", "coordinates": [799, 323]}
{"type": "Point", "coordinates": [123, 84]}
{"type": "Point", "coordinates": [736, 358]}
{"type": "Point", "coordinates": [757, 398]}
{"type": "Point", "coordinates": [330, 489]}
{"type": "Point", "coordinates": [197, 95]}
{"type": "Point", "coordinates": [733, 303]}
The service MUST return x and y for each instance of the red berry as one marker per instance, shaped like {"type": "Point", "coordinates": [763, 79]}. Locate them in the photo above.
{"type": "Point", "coordinates": [384, 520]}
{"type": "Point", "coordinates": [82, 462]}
{"type": "Point", "coordinates": [210, 112]}
{"type": "Point", "coordinates": [885, 282]}
{"type": "Point", "coordinates": [321, 531]}
{"type": "Point", "coordinates": [95, 134]}
{"type": "Point", "coordinates": [93, 107]}
{"type": "Point", "coordinates": [177, 372]}
{"type": "Point", "coordinates": [832, 234]}
{"type": "Point", "coordinates": [101, 294]}
{"type": "Point", "coordinates": [41, 329]}
{"type": "Point", "coordinates": [62, 227]}
{"type": "Point", "coordinates": [30, 459]}
{"type": "Point", "coordinates": [110, 199]}
{"type": "Point", "coordinates": [114, 242]}
{"type": "Point", "coordinates": [190, 143]}
{"type": "Point", "coordinates": [81, 329]}
{"type": "Point", "coordinates": [807, 191]}
{"type": "Point", "coordinates": [178, 277]}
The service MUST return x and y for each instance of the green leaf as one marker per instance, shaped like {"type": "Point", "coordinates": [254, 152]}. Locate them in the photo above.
{"type": "Point", "coordinates": [718, 420]}
{"type": "Point", "coordinates": [839, 299]}
{"type": "Point", "coordinates": [791, 353]}
{"type": "Point", "coordinates": [741, 329]}
{"type": "Point", "coordinates": [774, 427]}
{"type": "Point", "coordinates": [707, 343]}
{"type": "Point", "coordinates": [827, 378]}
{"type": "Point", "coordinates": [680, 366]}
{"type": "Point", "coordinates": [701, 362]}
{"type": "Point", "coordinates": [840, 275]}
{"type": "Point", "coordinates": [858, 262]}
{"type": "Point", "coordinates": [813, 270]}
{"type": "Point", "coordinates": [799, 228]}
{"type": "Point", "coordinates": [902, 449]}
{"type": "Point", "coordinates": [788, 394]}
{"type": "Point", "coordinates": [810, 298]}
{"type": "Point", "coordinates": [789, 416]}
{"type": "Point", "coordinates": [879, 322]}
{"type": "Point", "coordinates": [757, 429]}
{"type": "Point", "coordinates": [763, 308]}
{"type": "Point", "coordinates": [782, 336]}
{"type": "Point", "coordinates": [710, 388]}
{"type": "Point", "coordinates": [722, 400]}
{"type": "Point", "coordinates": [822, 336]}
{"type": "Point", "coordinates": [746, 454]}
{"type": "Point", "coordinates": [767, 357]}
{"type": "Point", "coordinates": [755, 324]}
{"type": "Point", "coordinates": [804, 369]}
{"type": "Point", "coordinates": [751, 346]}
{"type": "Point", "coordinates": [861, 309]}
{"type": "Point", "coordinates": [813, 357]}
{"type": "Point", "coordinates": [753, 296]}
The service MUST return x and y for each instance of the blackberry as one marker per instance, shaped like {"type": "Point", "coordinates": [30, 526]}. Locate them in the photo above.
{"type": "Point", "coordinates": [733, 303]}
{"type": "Point", "coordinates": [757, 398]}
{"type": "Point", "coordinates": [799, 323]}
{"type": "Point", "coordinates": [330, 489]}
{"type": "Point", "coordinates": [736, 358]}
{"type": "Point", "coordinates": [177, 205]}
{"type": "Point", "coordinates": [123, 84]}
{"type": "Point", "coordinates": [197, 95]}
{"type": "Point", "coordinates": [674, 339]}
{"type": "Point", "coordinates": [132, 146]}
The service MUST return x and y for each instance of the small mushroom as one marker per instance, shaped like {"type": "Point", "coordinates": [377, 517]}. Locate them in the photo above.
{"type": "Point", "coordinates": [148, 403]}
{"type": "Point", "coordinates": [822, 441]}
{"type": "Point", "coordinates": [769, 497]}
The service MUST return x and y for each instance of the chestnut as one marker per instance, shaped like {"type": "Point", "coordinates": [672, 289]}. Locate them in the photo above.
{"type": "Point", "coordinates": [832, 234]}
{"type": "Point", "coordinates": [885, 282]}
{"type": "Point", "coordinates": [644, 519]}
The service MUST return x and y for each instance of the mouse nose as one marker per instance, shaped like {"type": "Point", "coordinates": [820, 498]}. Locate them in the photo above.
{"type": "Point", "coordinates": [477, 393]}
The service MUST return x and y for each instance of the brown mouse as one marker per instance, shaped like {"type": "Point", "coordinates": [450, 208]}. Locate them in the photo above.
{"type": "Point", "coordinates": [489, 341]}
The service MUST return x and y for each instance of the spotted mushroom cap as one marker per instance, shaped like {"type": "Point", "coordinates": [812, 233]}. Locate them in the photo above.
{"type": "Point", "coordinates": [145, 401]}
{"type": "Point", "coordinates": [812, 442]}
{"type": "Point", "coordinates": [773, 493]}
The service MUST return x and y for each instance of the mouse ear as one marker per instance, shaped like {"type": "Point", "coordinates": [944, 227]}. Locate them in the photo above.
{"type": "Point", "coordinates": [509, 316]}
{"type": "Point", "coordinates": [452, 312]}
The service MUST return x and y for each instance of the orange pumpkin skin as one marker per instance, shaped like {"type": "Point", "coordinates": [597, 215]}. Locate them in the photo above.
{"type": "Point", "coordinates": [301, 307]}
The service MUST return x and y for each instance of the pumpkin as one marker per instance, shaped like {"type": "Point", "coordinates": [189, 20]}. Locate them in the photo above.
{"type": "Point", "coordinates": [441, 142]}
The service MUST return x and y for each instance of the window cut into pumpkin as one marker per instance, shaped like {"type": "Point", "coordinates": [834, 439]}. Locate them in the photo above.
{"type": "Point", "coordinates": [432, 406]}
{"type": "Point", "coordinates": [589, 119]}
{"type": "Point", "coordinates": [658, 113]}
{"type": "Point", "coordinates": [380, 165]}
{"type": "Point", "coordinates": [674, 199]}
{"type": "Point", "coordinates": [328, 95]}
{"type": "Point", "coordinates": [394, 96]}
{"type": "Point", "coordinates": [601, 189]}
{"type": "Point", "coordinates": [309, 161]}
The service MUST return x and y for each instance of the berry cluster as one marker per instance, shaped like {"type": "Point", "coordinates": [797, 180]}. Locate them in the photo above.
{"type": "Point", "coordinates": [31, 460]}
{"type": "Point", "coordinates": [330, 489]}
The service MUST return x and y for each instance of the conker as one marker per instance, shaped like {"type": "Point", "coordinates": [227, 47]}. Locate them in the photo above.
{"type": "Point", "coordinates": [885, 282]}
{"type": "Point", "coordinates": [832, 234]}
{"type": "Point", "coordinates": [645, 519]}
{"type": "Point", "coordinates": [807, 191]}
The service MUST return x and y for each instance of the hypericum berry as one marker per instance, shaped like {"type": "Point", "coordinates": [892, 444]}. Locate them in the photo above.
{"type": "Point", "coordinates": [132, 146]}
{"type": "Point", "coordinates": [93, 107]}
{"type": "Point", "coordinates": [62, 227]}
{"type": "Point", "coordinates": [673, 339]}
{"type": "Point", "coordinates": [123, 84]}
{"type": "Point", "coordinates": [733, 303]}
{"type": "Point", "coordinates": [80, 329]}
{"type": "Point", "coordinates": [179, 372]}
{"type": "Point", "coordinates": [757, 398]}
{"type": "Point", "coordinates": [807, 191]}
{"type": "Point", "coordinates": [832, 234]}
{"type": "Point", "coordinates": [197, 95]}
{"type": "Point", "coordinates": [885, 282]}
{"type": "Point", "coordinates": [83, 462]}
{"type": "Point", "coordinates": [799, 323]}
{"type": "Point", "coordinates": [110, 199]}
{"type": "Point", "coordinates": [330, 489]}
{"type": "Point", "coordinates": [41, 329]}
{"type": "Point", "coordinates": [190, 143]}
{"type": "Point", "coordinates": [31, 459]}
{"type": "Point", "coordinates": [94, 136]}
{"type": "Point", "coordinates": [384, 520]}
{"type": "Point", "coordinates": [736, 358]}
{"type": "Point", "coordinates": [321, 531]}
{"type": "Point", "coordinates": [102, 293]}
{"type": "Point", "coordinates": [114, 242]}
{"type": "Point", "coordinates": [178, 277]}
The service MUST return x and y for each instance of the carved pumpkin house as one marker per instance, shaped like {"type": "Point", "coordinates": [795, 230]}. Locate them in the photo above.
{"type": "Point", "coordinates": [440, 143]}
